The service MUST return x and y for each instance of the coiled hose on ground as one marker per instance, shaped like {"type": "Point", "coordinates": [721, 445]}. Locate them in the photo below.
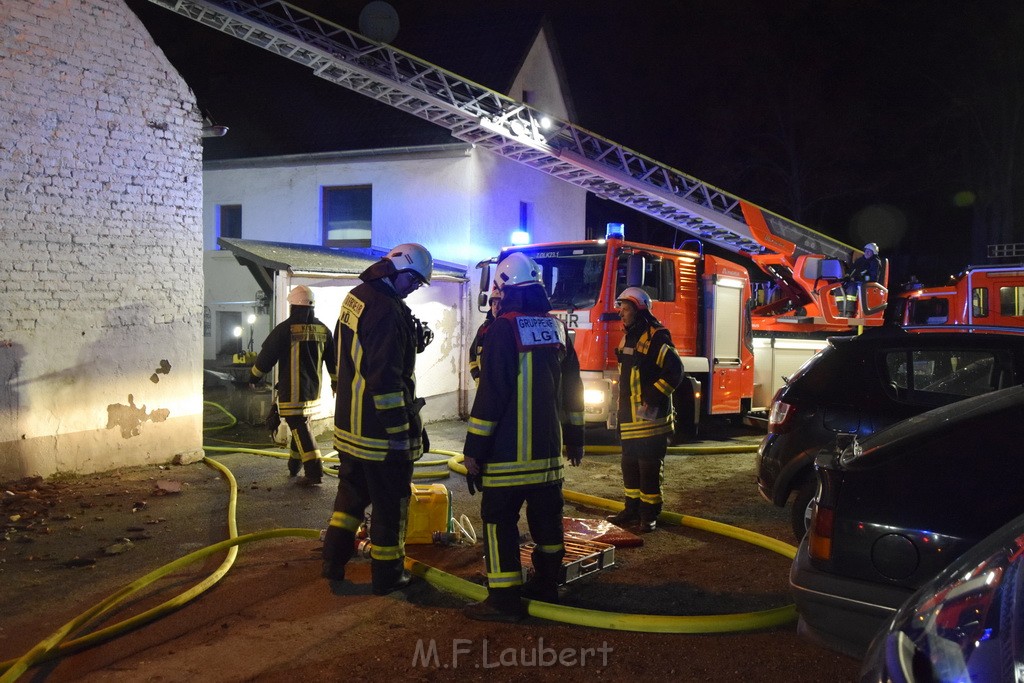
{"type": "Point", "coordinates": [55, 646]}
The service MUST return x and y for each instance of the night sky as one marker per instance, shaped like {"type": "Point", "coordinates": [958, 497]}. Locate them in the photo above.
{"type": "Point", "coordinates": [890, 121]}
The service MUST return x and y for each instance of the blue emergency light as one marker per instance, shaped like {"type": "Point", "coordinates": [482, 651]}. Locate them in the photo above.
{"type": "Point", "coordinates": [615, 230]}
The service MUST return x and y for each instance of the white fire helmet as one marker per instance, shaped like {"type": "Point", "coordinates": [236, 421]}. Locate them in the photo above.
{"type": "Point", "coordinates": [635, 296]}
{"type": "Point", "coordinates": [517, 269]}
{"type": "Point", "coordinates": [301, 296]}
{"type": "Point", "coordinates": [872, 247]}
{"type": "Point", "coordinates": [413, 257]}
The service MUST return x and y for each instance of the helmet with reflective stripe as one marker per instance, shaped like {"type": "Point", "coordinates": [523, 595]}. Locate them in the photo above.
{"type": "Point", "coordinates": [412, 257]}
{"type": "Point", "coordinates": [301, 296]}
{"type": "Point", "coordinates": [635, 296]}
{"type": "Point", "coordinates": [518, 269]}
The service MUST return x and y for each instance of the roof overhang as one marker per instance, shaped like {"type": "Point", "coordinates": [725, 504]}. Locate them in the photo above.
{"type": "Point", "coordinates": [265, 259]}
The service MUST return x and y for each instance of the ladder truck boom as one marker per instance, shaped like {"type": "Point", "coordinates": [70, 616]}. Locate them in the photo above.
{"type": "Point", "coordinates": [506, 127]}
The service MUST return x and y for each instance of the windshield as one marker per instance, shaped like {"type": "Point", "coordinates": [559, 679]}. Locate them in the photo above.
{"type": "Point", "coordinates": [572, 275]}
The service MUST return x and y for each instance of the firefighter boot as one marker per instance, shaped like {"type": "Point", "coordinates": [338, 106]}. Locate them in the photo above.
{"type": "Point", "coordinates": [629, 515]}
{"type": "Point", "coordinates": [312, 473]}
{"type": "Point", "coordinates": [389, 576]}
{"type": "Point", "coordinates": [543, 585]}
{"type": "Point", "coordinates": [334, 555]}
{"type": "Point", "coordinates": [502, 604]}
{"type": "Point", "coordinates": [294, 465]}
{"type": "Point", "coordinates": [648, 517]}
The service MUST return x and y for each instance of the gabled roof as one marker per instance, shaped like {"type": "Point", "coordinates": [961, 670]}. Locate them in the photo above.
{"type": "Point", "coordinates": [263, 259]}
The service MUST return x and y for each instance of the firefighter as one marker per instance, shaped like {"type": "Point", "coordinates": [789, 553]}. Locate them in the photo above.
{"type": "Point", "coordinates": [530, 396]}
{"type": "Point", "coordinates": [300, 345]}
{"type": "Point", "coordinates": [649, 371]}
{"type": "Point", "coordinates": [378, 432]}
{"type": "Point", "coordinates": [477, 347]}
{"type": "Point", "coordinates": [864, 269]}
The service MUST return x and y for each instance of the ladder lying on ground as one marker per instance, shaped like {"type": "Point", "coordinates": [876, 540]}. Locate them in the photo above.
{"type": "Point", "coordinates": [509, 128]}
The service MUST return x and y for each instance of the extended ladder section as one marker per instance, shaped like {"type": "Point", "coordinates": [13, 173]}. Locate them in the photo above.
{"type": "Point", "coordinates": [509, 128]}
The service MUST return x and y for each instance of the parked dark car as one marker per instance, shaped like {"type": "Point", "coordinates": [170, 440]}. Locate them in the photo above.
{"type": "Point", "coordinates": [966, 624]}
{"type": "Point", "coordinates": [859, 385]}
{"type": "Point", "coordinates": [895, 509]}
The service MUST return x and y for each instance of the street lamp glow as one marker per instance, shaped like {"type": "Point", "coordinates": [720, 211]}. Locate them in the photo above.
{"type": "Point", "coordinates": [252, 318]}
{"type": "Point", "coordinates": [237, 331]}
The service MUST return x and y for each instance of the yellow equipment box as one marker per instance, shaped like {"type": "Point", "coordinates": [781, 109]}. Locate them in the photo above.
{"type": "Point", "coordinates": [430, 510]}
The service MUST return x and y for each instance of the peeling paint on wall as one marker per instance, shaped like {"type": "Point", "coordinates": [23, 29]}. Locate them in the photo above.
{"type": "Point", "coordinates": [130, 418]}
{"type": "Point", "coordinates": [164, 369]}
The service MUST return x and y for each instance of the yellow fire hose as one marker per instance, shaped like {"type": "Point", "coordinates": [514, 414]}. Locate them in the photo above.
{"type": "Point", "coordinates": [54, 646]}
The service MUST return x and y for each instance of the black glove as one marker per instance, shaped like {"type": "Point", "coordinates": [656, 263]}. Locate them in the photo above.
{"type": "Point", "coordinates": [426, 440]}
{"type": "Point", "coordinates": [253, 379]}
{"type": "Point", "coordinates": [475, 482]}
{"type": "Point", "coordinates": [273, 418]}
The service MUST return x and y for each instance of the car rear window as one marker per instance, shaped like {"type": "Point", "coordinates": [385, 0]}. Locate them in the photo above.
{"type": "Point", "coordinates": [938, 375]}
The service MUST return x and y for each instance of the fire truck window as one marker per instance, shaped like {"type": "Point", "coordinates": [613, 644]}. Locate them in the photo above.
{"type": "Point", "coordinates": [930, 311]}
{"type": "Point", "coordinates": [1011, 301]}
{"type": "Point", "coordinates": [979, 302]}
{"type": "Point", "coordinates": [572, 281]}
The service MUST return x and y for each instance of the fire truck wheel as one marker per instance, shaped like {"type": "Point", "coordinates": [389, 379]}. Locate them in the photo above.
{"type": "Point", "coordinates": [800, 514]}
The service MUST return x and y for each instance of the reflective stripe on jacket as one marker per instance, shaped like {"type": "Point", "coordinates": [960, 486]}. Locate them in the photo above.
{"type": "Point", "coordinates": [376, 409]}
{"type": "Point", "coordinates": [530, 397]}
{"type": "Point", "coordinates": [649, 371]}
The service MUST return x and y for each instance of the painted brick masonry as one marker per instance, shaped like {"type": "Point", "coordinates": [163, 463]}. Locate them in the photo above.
{"type": "Point", "coordinates": [100, 243]}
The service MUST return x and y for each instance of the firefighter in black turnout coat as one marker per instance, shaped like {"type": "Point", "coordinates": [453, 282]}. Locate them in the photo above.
{"type": "Point", "coordinates": [300, 346]}
{"type": "Point", "coordinates": [530, 395]}
{"type": "Point", "coordinates": [377, 427]}
{"type": "Point", "coordinates": [649, 371]}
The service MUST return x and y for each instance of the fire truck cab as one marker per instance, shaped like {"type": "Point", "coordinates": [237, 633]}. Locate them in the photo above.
{"type": "Point", "coordinates": [701, 299]}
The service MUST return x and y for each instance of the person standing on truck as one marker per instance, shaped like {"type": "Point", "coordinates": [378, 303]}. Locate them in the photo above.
{"type": "Point", "coordinates": [378, 432]}
{"type": "Point", "coordinates": [650, 370]}
{"type": "Point", "coordinates": [864, 269]}
{"type": "Point", "coordinates": [530, 397]}
{"type": "Point", "coordinates": [299, 346]}
{"type": "Point", "coordinates": [477, 347]}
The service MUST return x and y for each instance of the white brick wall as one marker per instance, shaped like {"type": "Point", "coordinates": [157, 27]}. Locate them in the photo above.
{"type": "Point", "coordinates": [100, 243]}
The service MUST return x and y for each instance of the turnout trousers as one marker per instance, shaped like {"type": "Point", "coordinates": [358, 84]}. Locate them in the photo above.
{"type": "Point", "coordinates": [386, 486]}
{"type": "Point", "coordinates": [499, 510]}
{"type": "Point", "coordinates": [643, 465]}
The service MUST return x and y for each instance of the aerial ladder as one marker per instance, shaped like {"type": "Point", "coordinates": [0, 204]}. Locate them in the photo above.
{"type": "Point", "coordinates": [804, 265]}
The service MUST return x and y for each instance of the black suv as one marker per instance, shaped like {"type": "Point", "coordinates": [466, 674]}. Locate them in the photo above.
{"type": "Point", "coordinates": [858, 385]}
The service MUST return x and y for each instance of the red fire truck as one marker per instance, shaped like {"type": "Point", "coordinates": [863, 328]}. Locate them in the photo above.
{"type": "Point", "coordinates": [981, 296]}
{"type": "Point", "coordinates": [706, 302]}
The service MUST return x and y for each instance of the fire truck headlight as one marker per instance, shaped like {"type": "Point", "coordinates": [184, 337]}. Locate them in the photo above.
{"type": "Point", "coordinates": [593, 397]}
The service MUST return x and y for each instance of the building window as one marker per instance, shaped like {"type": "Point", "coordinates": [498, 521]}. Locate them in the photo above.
{"type": "Point", "coordinates": [347, 216]}
{"type": "Point", "coordinates": [229, 220]}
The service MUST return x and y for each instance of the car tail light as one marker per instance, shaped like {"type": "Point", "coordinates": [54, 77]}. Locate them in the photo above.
{"type": "Point", "coordinates": [819, 539]}
{"type": "Point", "coordinates": [823, 514]}
{"type": "Point", "coordinates": [780, 418]}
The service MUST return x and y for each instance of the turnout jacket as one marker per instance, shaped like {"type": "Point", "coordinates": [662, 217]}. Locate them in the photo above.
{"type": "Point", "coordinates": [649, 371]}
{"type": "Point", "coordinates": [530, 396]}
{"type": "Point", "coordinates": [377, 410]}
{"type": "Point", "coordinates": [301, 344]}
{"type": "Point", "coordinates": [476, 349]}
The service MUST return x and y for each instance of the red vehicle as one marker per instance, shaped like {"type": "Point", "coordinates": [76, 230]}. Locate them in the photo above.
{"type": "Point", "coordinates": [989, 296]}
{"type": "Point", "coordinates": [706, 303]}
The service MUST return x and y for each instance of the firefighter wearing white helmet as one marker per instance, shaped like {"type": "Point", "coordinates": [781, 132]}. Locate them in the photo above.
{"type": "Point", "coordinates": [378, 432]}
{"type": "Point", "coordinates": [299, 346]}
{"type": "Point", "coordinates": [529, 399]}
{"type": "Point", "coordinates": [649, 372]}
{"type": "Point", "coordinates": [412, 258]}
{"type": "Point", "coordinates": [865, 269]}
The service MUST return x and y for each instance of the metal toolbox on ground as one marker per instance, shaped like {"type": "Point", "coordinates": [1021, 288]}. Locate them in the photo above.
{"type": "Point", "coordinates": [582, 557]}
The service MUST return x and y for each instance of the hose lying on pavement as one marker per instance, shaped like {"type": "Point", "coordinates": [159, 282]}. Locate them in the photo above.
{"type": "Point", "coordinates": [54, 646]}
